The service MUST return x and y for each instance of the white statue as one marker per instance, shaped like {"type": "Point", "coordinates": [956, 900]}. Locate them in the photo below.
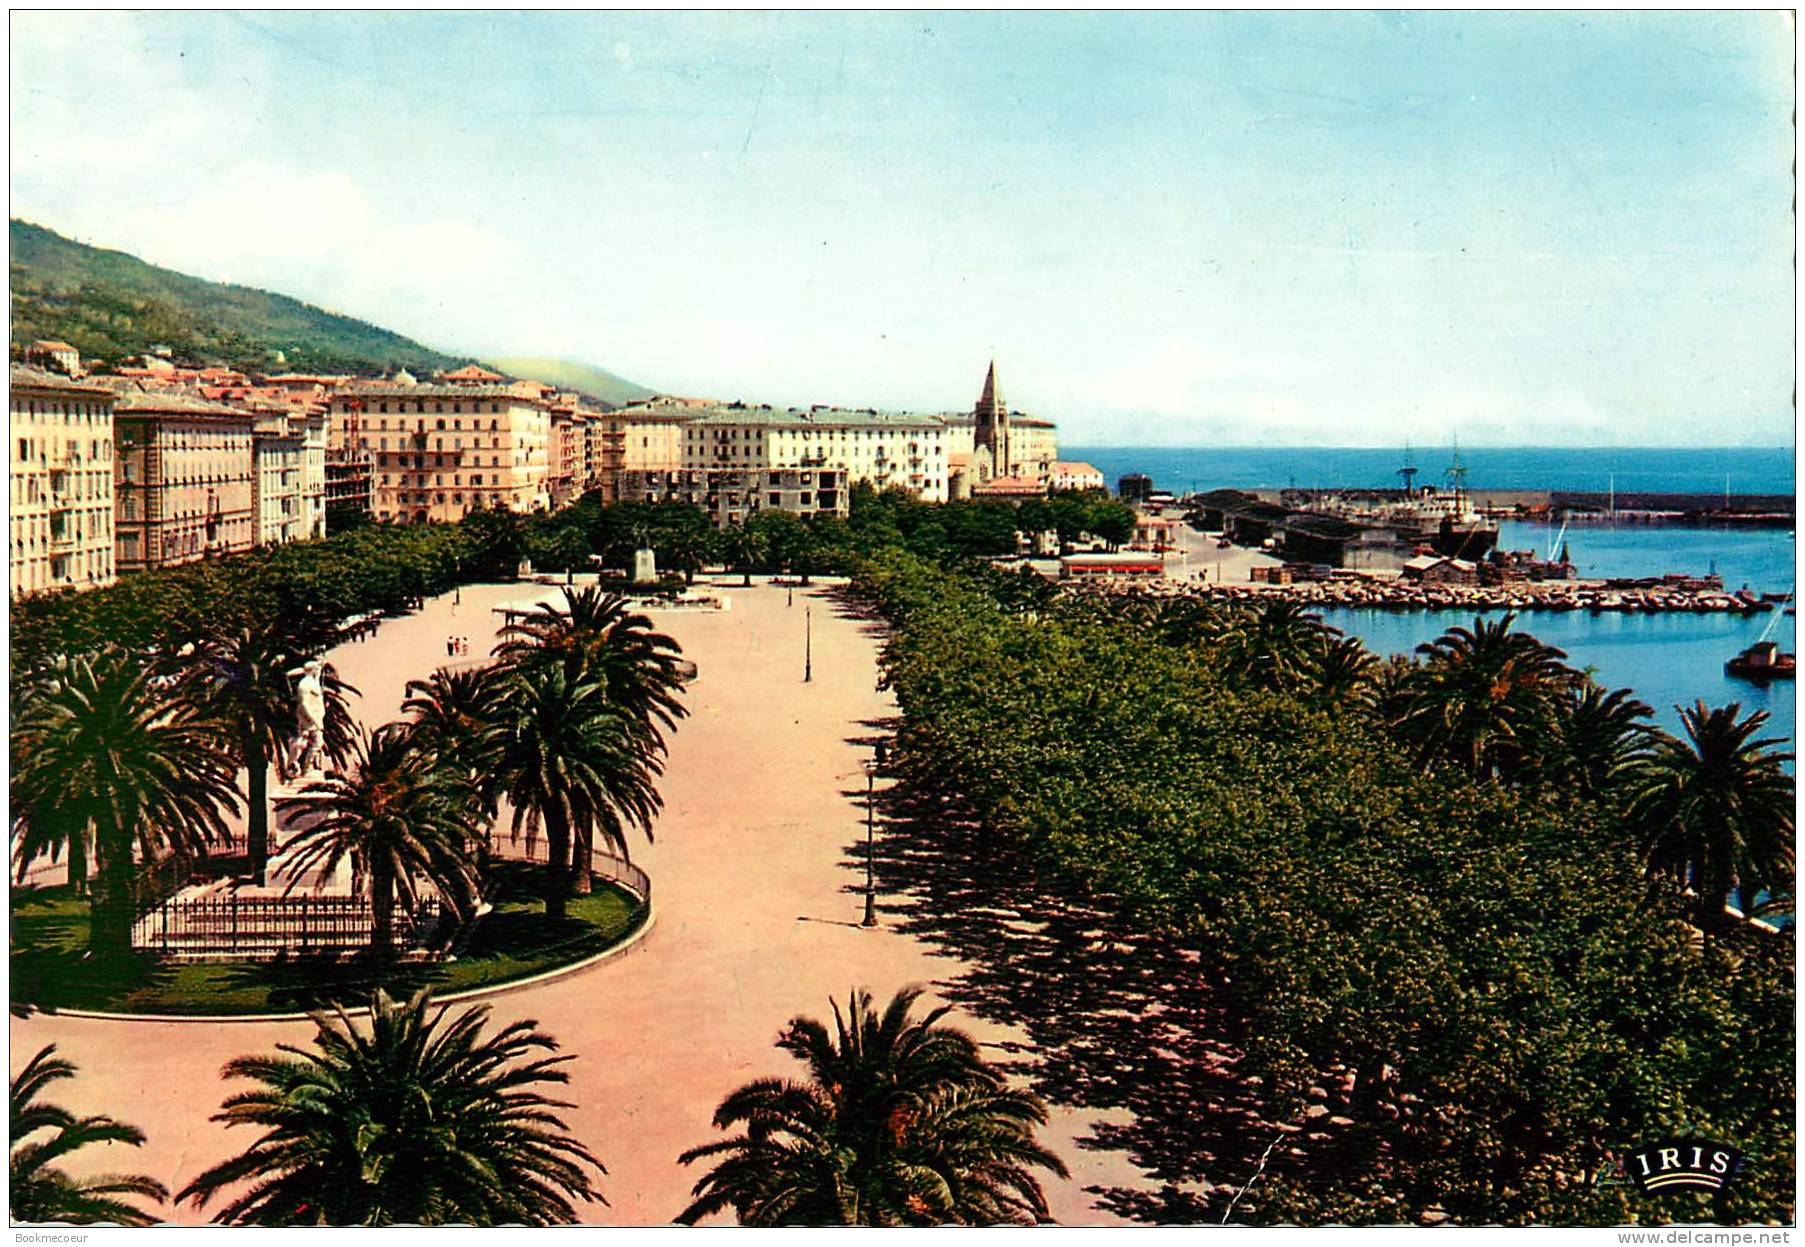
{"type": "Point", "coordinates": [307, 752]}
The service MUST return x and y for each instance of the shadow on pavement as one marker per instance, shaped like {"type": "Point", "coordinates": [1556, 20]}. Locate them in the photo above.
{"type": "Point", "coordinates": [1116, 1020]}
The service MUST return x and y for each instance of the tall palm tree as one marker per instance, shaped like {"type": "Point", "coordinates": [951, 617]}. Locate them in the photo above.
{"type": "Point", "coordinates": [102, 758]}
{"type": "Point", "coordinates": [642, 669]}
{"type": "Point", "coordinates": [403, 815]}
{"type": "Point", "coordinates": [1715, 812]}
{"type": "Point", "coordinates": [901, 1122]}
{"type": "Point", "coordinates": [415, 1119]}
{"type": "Point", "coordinates": [50, 830]}
{"type": "Point", "coordinates": [37, 1191]}
{"type": "Point", "coordinates": [572, 762]}
{"type": "Point", "coordinates": [1481, 695]}
{"type": "Point", "coordinates": [242, 678]}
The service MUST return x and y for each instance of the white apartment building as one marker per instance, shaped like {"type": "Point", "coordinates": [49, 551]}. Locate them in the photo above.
{"type": "Point", "coordinates": [62, 482]}
{"type": "Point", "coordinates": [290, 480]}
{"type": "Point", "coordinates": [1073, 474]}
{"type": "Point", "coordinates": [652, 435]}
{"type": "Point", "coordinates": [313, 470]}
{"type": "Point", "coordinates": [879, 448]}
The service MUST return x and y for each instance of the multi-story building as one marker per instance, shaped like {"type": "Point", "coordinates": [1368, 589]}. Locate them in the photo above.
{"type": "Point", "coordinates": [567, 476]}
{"type": "Point", "coordinates": [734, 495]}
{"type": "Point", "coordinates": [62, 482]}
{"type": "Point", "coordinates": [285, 509]}
{"type": "Point", "coordinates": [440, 452]}
{"type": "Point", "coordinates": [54, 355]}
{"type": "Point", "coordinates": [879, 448]}
{"type": "Point", "coordinates": [312, 423]}
{"type": "Point", "coordinates": [185, 486]}
{"type": "Point", "coordinates": [1073, 474]}
{"type": "Point", "coordinates": [604, 450]}
{"type": "Point", "coordinates": [652, 435]}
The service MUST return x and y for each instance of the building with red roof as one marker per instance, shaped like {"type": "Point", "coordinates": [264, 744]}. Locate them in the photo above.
{"type": "Point", "coordinates": [472, 374]}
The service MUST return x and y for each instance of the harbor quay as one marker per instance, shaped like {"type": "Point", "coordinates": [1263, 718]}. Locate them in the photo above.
{"type": "Point", "coordinates": [1378, 590]}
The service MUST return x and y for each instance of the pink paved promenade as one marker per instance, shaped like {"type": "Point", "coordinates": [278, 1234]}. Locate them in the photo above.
{"type": "Point", "coordinates": [756, 917]}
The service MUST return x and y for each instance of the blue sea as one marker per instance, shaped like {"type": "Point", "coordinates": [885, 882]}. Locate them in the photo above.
{"type": "Point", "coordinates": [1669, 660]}
{"type": "Point", "coordinates": [1745, 470]}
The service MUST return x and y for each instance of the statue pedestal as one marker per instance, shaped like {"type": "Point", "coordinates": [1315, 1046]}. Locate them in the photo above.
{"type": "Point", "coordinates": [285, 824]}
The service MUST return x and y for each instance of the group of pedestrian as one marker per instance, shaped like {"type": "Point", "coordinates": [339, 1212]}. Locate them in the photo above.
{"type": "Point", "coordinates": [456, 645]}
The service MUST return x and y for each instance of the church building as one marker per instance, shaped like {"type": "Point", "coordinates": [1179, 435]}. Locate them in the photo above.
{"type": "Point", "coordinates": [1011, 453]}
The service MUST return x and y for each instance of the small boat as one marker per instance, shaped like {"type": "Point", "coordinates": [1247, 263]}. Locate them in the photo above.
{"type": "Point", "coordinates": [1762, 662]}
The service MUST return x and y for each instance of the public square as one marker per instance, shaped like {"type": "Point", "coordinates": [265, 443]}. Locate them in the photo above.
{"type": "Point", "coordinates": [758, 882]}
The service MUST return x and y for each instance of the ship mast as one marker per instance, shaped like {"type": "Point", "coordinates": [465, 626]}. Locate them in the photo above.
{"type": "Point", "coordinates": [1457, 472]}
{"type": "Point", "coordinates": [1408, 472]}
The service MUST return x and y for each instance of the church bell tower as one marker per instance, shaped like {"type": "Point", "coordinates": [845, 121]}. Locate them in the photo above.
{"type": "Point", "coordinates": [990, 437]}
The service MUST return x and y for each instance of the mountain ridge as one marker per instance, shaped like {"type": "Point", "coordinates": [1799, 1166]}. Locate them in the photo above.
{"type": "Point", "coordinates": [109, 304]}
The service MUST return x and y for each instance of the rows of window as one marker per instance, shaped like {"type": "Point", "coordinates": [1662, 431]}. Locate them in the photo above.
{"type": "Point", "coordinates": [43, 449]}
{"type": "Point", "coordinates": [457, 406]}
{"type": "Point", "coordinates": [86, 412]}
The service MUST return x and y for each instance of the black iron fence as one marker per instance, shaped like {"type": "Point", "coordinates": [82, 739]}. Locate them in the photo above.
{"type": "Point", "coordinates": [270, 925]}
{"type": "Point", "coordinates": [261, 927]}
{"type": "Point", "coordinates": [602, 864]}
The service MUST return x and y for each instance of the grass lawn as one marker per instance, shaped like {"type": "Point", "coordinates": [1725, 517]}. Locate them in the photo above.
{"type": "Point", "coordinates": [50, 968]}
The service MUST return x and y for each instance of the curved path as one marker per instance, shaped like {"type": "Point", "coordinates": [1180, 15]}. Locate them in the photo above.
{"type": "Point", "coordinates": [758, 905]}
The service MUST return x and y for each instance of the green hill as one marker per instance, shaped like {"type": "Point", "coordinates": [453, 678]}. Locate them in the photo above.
{"type": "Point", "coordinates": [109, 304]}
{"type": "Point", "coordinates": [570, 375]}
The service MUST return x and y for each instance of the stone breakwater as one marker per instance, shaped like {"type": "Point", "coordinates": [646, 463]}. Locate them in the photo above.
{"type": "Point", "coordinates": [1401, 595]}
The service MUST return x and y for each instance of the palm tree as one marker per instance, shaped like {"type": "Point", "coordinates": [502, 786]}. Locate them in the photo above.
{"type": "Point", "coordinates": [1600, 736]}
{"type": "Point", "coordinates": [50, 830]}
{"type": "Point", "coordinates": [36, 1191]}
{"type": "Point", "coordinates": [102, 758]}
{"type": "Point", "coordinates": [244, 678]}
{"type": "Point", "coordinates": [572, 762]}
{"type": "Point", "coordinates": [901, 1122]}
{"type": "Point", "coordinates": [403, 815]}
{"type": "Point", "coordinates": [643, 670]}
{"type": "Point", "coordinates": [451, 711]}
{"type": "Point", "coordinates": [1481, 695]}
{"type": "Point", "coordinates": [1715, 812]}
{"type": "Point", "coordinates": [1274, 646]}
{"type": "Point", "coordinates": [1345, 673]}
{"type": "Point", "coordinates": [414, 1120]}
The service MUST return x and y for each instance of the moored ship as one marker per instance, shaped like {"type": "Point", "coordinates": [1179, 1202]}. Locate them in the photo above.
{"type": "Point", "coordinates": [1444, 519]}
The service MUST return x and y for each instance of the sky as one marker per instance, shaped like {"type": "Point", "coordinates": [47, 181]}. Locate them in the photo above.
{"type": "Point", "coordinates": [1176, 229]}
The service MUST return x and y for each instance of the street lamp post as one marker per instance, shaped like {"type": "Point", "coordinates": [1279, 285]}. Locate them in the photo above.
{"type": "Point", "coordinates": [871, 770]}
{"type": "Point", "coordinates": [808, 644]}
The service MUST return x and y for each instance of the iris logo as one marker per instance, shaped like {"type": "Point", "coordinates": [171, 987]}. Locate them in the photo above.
{"type": "Point", "coordinates": [1684, 1165]}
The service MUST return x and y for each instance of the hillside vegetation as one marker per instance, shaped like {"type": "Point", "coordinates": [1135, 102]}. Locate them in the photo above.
{"type": "Point", "coordinates": [109, 304]}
